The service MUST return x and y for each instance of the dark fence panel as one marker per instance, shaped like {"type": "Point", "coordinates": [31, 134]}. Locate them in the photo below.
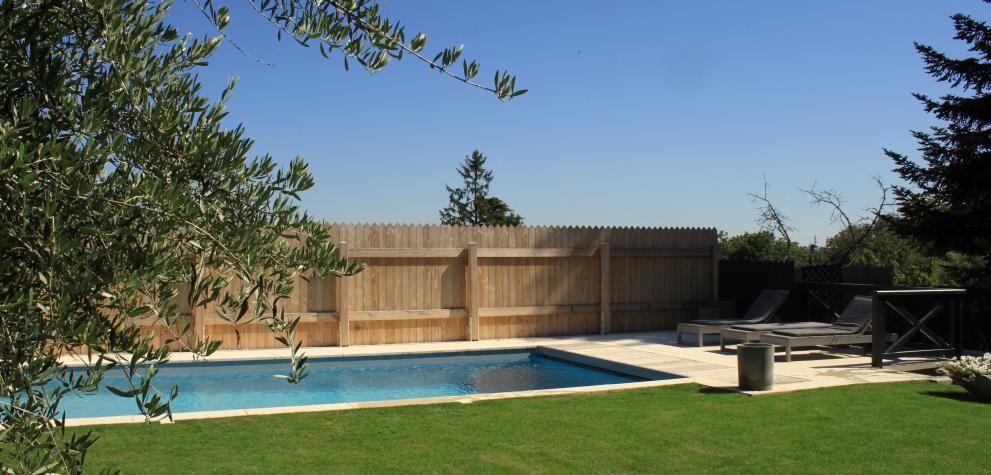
{"type": "Point", "coordinates": [826, 273]}
{"type": "Point", "coordinates": [742, 281]}
{"type": "Point", "coordinates": [823, 291]}
{"type": "Point", "coordinates": [821, 305]}
{"type": "Point", "coordinates": [866, 275]}
{"type": "Point", "coordinates": [977, 319]}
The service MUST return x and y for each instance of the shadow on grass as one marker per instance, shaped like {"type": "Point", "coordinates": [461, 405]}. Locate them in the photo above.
{"type": "Point", "coordinates": [957, 396]}
{"type": "Point", "coordinates": [712, 390]}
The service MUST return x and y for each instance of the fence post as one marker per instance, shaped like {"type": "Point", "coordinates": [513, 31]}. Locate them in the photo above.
{"type": "Point", "coordinates": [716, 256]}
{"type": "Point", "coordinates": [472, 292]}
{"type": "Point", "coordinates": [956, 323]}
{"type": "Point", "coordinates": [343, 310]}
{"type": "Point", "coordinates": [878, 339]}
{"type": "Point", "coordinates": [605, 315]}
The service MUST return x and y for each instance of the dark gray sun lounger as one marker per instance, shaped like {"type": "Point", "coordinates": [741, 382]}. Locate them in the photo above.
{"type": "Point", "coordinates": [767, 303]}
{"type": "Point", "coordinates": [748, 333]}
{"type": "Point", "coordinates": [852, 327]}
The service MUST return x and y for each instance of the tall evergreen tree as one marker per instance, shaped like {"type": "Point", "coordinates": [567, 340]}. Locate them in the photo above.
{"type": "Point", "coordinates": [471, 204]}
{"type": "Point", "coordinates": [947, 202]}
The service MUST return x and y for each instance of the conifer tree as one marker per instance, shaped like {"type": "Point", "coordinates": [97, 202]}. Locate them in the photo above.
{"type": "Point", "coordinates": [471, 204]}
{"type": "Point", "coordinates": [946, 203]}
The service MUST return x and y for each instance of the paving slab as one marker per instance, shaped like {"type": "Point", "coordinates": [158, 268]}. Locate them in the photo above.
{"type": "Point", "coordinates": [646, 354]}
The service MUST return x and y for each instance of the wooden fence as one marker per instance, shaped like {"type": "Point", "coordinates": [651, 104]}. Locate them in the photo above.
{"type": "Point", "coordinates": [426, 283]}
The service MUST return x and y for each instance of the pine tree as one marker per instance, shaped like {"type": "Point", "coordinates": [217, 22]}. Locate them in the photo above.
{"type": "Point", "coordinates": [947, 202]}
{"type": "Point", "coordinates": [471, 204]}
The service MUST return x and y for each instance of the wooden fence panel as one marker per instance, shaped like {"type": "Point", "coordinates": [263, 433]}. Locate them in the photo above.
{"type": "Point", "coordinates": [532, 281]}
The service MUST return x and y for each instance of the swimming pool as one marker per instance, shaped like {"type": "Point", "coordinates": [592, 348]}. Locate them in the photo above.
{"type": "Point", "coordinates": [213, 386]}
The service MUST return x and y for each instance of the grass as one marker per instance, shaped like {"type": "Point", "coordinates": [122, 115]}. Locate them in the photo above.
{"type": "Point", "coordinates": [889, 428]}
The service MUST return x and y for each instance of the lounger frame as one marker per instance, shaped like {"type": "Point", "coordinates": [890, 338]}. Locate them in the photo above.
{"type": "Point", "coordinates": [789, 342]}
{"type": "Point", "coordinates": [710, 328]}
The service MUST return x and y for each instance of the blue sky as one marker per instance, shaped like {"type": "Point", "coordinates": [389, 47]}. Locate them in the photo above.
{"type": "Point", "coordinates": [652, 113]}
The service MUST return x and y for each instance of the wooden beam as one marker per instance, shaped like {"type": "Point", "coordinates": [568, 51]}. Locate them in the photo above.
{"type": "Point", "coordinates": [439, 313]}
{"type": "Point", "coordinates": [343, 308]}
{"type": "Point", "coordinates": [880, 317]}
{"type": "Point", "coordinates": [497, 252]}
{"type": "Point", "coordinates": [490, 312]}
{"type": "Point", "coordinates": [619, 252]}
{"type": "Point", "coordinates": [304, 317]}
{"type": "Point", "coordinates": [535, 252]}
{"type": "Point", "coordinates": [919, 292]}
{"type": "Point", "coordinates": [605, 283]}
{"type": "Point", "coordinates": [656, 306]}
{"type": "Point", "coordinates": [472, 292]}
{"type": "Point", "coordinates": [152, 321]}
{"type": "Point", "coordinates": [443, 252]}
{"type": "Point", "coordinates": [379, 315]}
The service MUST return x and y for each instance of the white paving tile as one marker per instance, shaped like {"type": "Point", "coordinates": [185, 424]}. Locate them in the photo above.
{"type": "Point", "coordinates": [651, 350]}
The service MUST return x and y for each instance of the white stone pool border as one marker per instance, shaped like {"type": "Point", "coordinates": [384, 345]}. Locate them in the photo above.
{"type": "Point", "coordinates": [638, 354]}
{"type": "Point", "coordinates": [466, 399]}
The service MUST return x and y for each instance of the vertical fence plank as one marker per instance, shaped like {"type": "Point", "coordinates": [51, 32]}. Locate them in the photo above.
{"type": "Point", "coordinates": [604, 287]}
{"type": "Point", "coordinates": [199, 323]}
{"type": "Point", "coordinates": [343, 311]}
{"type": "Point", "coordinates": [472, 291]}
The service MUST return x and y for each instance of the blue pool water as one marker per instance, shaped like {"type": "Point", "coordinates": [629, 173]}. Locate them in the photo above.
{"type": "Point", "coordinates": [246, 385]}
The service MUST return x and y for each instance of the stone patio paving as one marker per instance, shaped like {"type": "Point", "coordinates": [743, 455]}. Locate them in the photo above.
{"type": "Point", "coordinates": [650, 351]}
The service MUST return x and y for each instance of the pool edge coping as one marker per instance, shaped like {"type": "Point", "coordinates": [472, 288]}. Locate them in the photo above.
{"type": "Point", "coordinates": [558, 353]}
{"type": "Point", "coordinates": [388, 403]}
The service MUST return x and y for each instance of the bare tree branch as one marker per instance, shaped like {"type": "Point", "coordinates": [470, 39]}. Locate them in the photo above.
{"type": "Point", "coordinates": [860, 228]}
{"type": "Point", "coordinates": [771, 219]}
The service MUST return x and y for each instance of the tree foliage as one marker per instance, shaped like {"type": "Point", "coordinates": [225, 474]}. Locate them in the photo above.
{"type": "Point", "coordinates": [471, 205]}
{"type": "Point", "coordinates": [865, 238]}
{"type": "Point", "coordinates": [358, 29]}
{"type": "Point", "coordinates": [946, 203]}
{"type": "Point", "coordinates": [760, 246]}
{"type": "Point", "coordinates": [121, 192]}
{"type": "Point", "coordinates": [881, 246]}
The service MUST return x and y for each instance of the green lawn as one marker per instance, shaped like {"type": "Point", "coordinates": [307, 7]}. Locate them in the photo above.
{"type": "Point", "coordinates": [881, 428]}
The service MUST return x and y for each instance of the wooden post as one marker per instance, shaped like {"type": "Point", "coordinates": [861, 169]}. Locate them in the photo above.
{"type": "Point", "coordinates": [955, 308]}
{"type": "Point", "coordinates": [472, 292]}
{"type": "Point", "coordinates": [605, 314]}
{"type": "Point", "coordinates": [878, 340]}
{"type": "Point", "coordinates": [343, 310]}
{"type": "Point", "coordinates": [716, 256]}
{"type": "Point", "coordinates": [961, 310]}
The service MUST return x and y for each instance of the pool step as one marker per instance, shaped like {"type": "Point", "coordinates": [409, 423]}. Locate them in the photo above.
{"type": "Point", "coordinates": [609, 365]}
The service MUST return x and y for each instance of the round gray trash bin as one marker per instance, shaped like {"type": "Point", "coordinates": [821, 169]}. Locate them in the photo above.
{"type": "Point", "coordinates": [755, 365]}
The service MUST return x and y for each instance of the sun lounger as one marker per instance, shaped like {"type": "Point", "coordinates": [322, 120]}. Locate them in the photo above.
{"type": "Point", "coordinates": [767, 303]}
{"type": "Point", "coordinates": [749, 333]}
{"type": "Point", "coordinates": [852, 327]}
